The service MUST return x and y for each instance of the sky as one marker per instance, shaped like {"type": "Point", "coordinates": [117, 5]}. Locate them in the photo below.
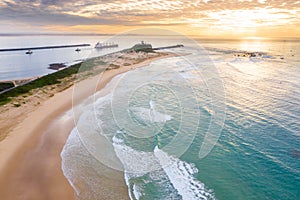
{"type": "Point", "coordinates": [207, 18]}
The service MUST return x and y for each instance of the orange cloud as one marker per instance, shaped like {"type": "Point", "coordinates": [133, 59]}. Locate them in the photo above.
{"type": "Point", "coordinates": [229, 18]}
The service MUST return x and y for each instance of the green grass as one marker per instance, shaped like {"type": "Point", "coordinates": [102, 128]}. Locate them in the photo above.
{"type": "Point", "coordinates": [56, 77]}
{"type": "Point", "coordinates": [52, 79]}
{"type": "Point", "coordinates": [49, 79]}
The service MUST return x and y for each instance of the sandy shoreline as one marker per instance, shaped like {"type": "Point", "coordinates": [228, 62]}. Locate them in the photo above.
{"type": "Point", "coordinates": [30, 163]}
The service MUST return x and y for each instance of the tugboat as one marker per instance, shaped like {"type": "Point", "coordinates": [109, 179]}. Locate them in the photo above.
{"type": "Point", "coordinates": [100, 45]}
{"type": "Point", "coordinates": [29, 52]}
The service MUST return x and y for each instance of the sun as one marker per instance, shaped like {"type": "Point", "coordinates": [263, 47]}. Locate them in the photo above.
{"type": "Point", "coordinates": [245, 22]}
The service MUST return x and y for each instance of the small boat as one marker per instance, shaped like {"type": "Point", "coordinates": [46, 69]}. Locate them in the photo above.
{"type": "Point", "coordinates": [29, 52]}
{"type": "Point", "coordinates": [100, 45]}
{"type": "Point", "coordinates": [77, 49]}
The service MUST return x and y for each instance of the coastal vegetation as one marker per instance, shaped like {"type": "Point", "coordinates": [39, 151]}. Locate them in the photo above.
{"type": "Point", "coordinates": [65, 75]}
{"type": "Point", "coordinates": [49, 79]}
{"type": "Point", "coordinates": [68, 75]}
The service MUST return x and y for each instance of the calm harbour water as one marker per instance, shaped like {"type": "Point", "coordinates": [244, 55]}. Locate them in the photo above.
{"type": "Point", "coordinates": [18, 65]}
{"type": "Point", "coordinates": [257, 154]}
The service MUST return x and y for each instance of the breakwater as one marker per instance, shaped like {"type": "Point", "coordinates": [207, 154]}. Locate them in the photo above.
{"type": "Point", "coordinates": [45, 47]}
{"type": "Point", "coordinates": [168, 47]}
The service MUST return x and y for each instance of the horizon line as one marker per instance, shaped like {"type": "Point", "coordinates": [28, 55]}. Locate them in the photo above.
{"type": "Point", "coordinates": [137, 34]}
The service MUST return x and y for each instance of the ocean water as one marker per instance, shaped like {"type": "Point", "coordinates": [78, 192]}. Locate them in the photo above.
{"type": "Point", "coordinates": [207, 125]}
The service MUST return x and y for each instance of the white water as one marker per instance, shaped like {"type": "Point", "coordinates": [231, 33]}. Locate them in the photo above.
{"type": "Point", "coordinates": [179, 173]}
{"type": "Point", "coordinates": [181, 176]}
{"type": "Point", "coordinates": [149, 115]}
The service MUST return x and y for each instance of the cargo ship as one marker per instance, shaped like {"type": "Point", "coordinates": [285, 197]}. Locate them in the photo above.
{"type": "Point", "coordinates": [101, 45]}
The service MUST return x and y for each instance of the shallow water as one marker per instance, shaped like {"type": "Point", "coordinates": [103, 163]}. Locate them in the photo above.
{"type": "Point", "coordinates": [153, 122]}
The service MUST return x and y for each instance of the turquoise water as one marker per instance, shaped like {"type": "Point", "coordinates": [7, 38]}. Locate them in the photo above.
{"type": "Point", "coordinates": [154, 123]}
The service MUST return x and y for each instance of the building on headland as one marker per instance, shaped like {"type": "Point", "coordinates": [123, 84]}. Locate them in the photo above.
{"type": "Point", "coordinates": [148, 47]}
{"type": "Point", "coordinates": [142, 47]}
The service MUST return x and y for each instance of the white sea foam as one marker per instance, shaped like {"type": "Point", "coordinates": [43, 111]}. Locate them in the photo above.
{"type": "Point", "coordinates": [180, 174]}
{"type": "Point", "coordinates": [149, 115]}
{"type": "Point", "coordinates": [127, 181]}
{"type": "Point", "coordinates": [136, 192]}
{"type": "Point", "coordinates": [159, 164]}
{"type": "Point", "coordinates": [151, 104]}
{"type": "Point", "coordinates": [136, 162]}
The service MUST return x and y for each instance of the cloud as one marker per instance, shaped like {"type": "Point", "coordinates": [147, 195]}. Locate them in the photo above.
{"type": "Point", "coordinates": [193, 13]}
{"type": "Point", "coordinates": [40, 14]}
